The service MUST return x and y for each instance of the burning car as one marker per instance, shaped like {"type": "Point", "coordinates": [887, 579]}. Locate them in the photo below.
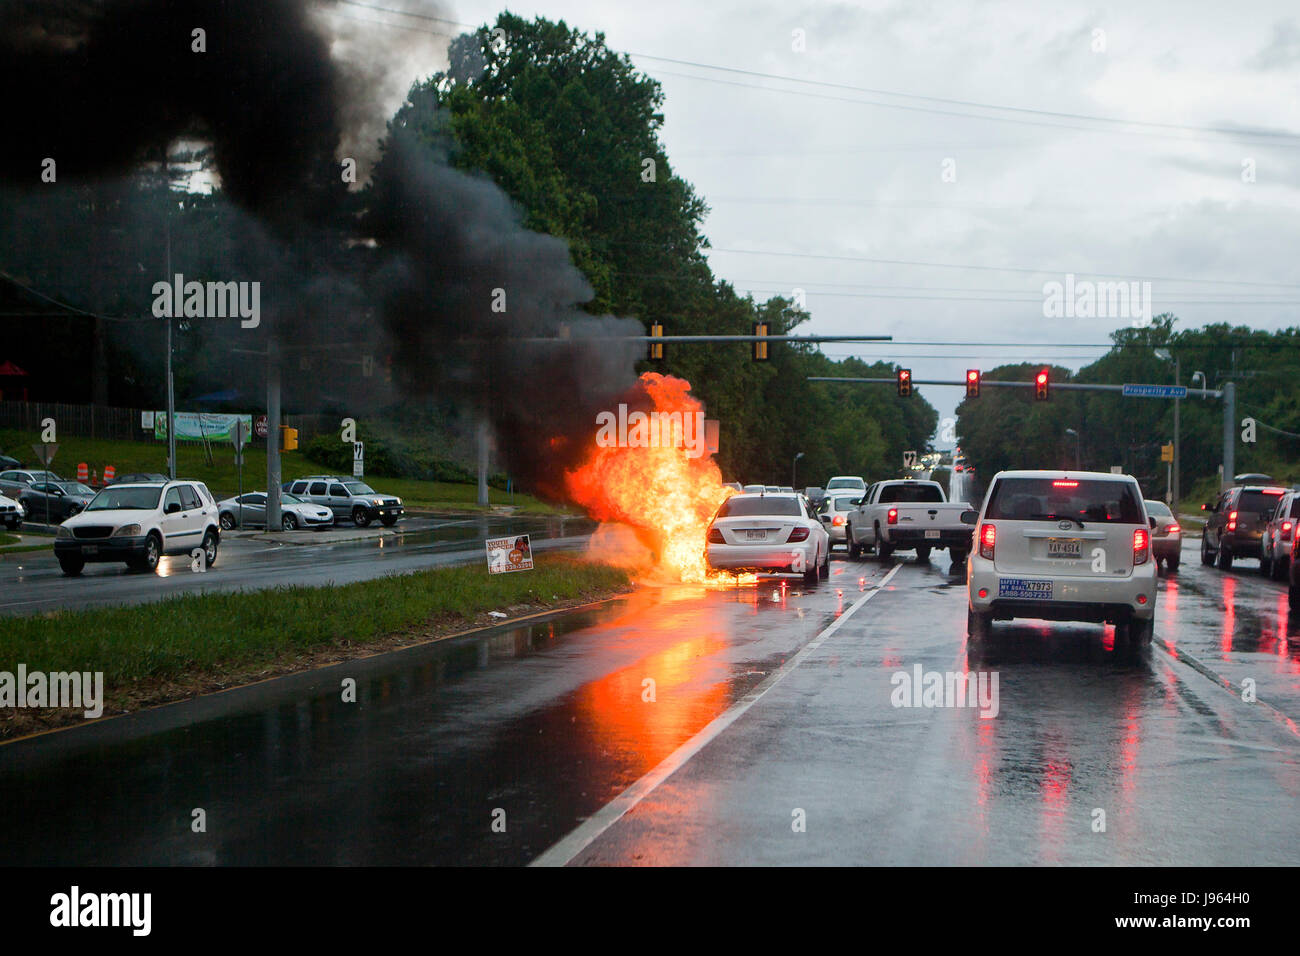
{"type": "Point", "coordinates": [774, 533]}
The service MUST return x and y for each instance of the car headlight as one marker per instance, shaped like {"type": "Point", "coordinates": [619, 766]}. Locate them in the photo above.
{"type": "Point", "coordinates": [378, 501]}
{"type": "Point", "coordinates": [64, 532]}
{"type": "Point", "coordinates": [127, 531]}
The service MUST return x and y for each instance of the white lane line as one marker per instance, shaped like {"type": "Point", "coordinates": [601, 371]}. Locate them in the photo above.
{"type": "Point", "coordinates": [568, 848]}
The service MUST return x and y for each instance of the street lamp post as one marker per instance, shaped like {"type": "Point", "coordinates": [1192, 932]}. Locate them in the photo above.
{"type": "Point", "coordinates": [1071, 431]}
{"type": "Point", "coordinates": [794, 471]}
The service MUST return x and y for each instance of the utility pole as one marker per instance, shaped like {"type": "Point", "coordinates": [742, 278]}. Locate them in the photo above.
{"type": "Point", "coordinates": [1229, 433]}
{"type": "Point", "coordinates": [482, 463]}
{"type": "Point", "coordinates": [273, 434]}
{"type": "Point", "coordinates": [171, 385]}
{"type": "Point", "coordinates": [1178, 444]}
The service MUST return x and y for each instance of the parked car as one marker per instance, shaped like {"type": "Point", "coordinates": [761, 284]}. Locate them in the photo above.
{"type": "Point", "coordinates": [1166, 536]}
{"type": "Point", "coordinates": [1279, 532]}
{"type": "Point", "coordinates": [135, 478]}
{"type": "Point", "coordinates": [349, 498]}
{"type": "Point", "coordinates": [140, 523]}
{"type": "Point", "coordinates": [1235, 526]}
{"type": "Point", "coordinates": [7, 463]}
{"type": "Point", "coordinates": [14, 481]}
{"type": "Point", "coordinates": [907, 514]}
{"type": "Point", "coordinates": [1062, 546]}
{"type": "Point", "coordinates": [833, 513]}
{"type": "Point", "coordinates": [12, 513]}
{"type": "Point", "coordinates": [54, 501]}
{"type": "Point", "coordinates": [774, 533]}
{"type": "Point", "coordinates": [249, 510]}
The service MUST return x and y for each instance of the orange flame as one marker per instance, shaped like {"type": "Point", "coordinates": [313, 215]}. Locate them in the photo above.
{"type": "Point", "coordinates": [662, 493]}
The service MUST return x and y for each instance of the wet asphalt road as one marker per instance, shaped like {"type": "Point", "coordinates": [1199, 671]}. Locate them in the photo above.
{"type": "Point", "coordinates": [32, 583]}
{"type": "Point", "coordinates": [542, 728]}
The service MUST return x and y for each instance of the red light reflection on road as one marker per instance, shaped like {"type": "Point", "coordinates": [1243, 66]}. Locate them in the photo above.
{"type": "Point", "coordinates": [1229, 614]}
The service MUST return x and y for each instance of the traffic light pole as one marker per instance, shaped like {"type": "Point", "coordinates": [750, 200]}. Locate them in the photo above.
{"type": "Point", "coordinates": [273, 435]}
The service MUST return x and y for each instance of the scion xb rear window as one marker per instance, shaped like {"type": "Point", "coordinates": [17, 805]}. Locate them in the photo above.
{"type": "Point", "coordinates": [759, 505]}
{"type": "Point", "coordinates": [1253, 502]}
{"type": "Point", "coordinates": [1052, 499]}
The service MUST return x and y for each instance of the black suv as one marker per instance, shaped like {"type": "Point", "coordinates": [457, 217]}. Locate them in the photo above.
{"type": "Point", "coordinates": [1236, 523]}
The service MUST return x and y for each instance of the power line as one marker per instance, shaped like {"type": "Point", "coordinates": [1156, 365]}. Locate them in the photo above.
{"type": "Point", "coordinates": [407, 13]}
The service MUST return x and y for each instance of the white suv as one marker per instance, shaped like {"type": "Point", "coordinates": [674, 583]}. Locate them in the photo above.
{"type": "Point", "coordinates": [138, 523]}
{"type": "Point", "coordinates": [1062, 546]}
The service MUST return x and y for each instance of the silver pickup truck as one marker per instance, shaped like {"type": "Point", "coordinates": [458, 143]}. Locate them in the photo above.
{"type": "Point", "coordinates": [905, 514]}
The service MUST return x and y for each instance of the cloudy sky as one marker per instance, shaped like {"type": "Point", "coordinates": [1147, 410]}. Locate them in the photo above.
{"type": "Point", "coordinates": [1104, 141]}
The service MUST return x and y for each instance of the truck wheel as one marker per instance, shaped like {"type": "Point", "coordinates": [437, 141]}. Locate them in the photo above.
{"type": "Point", "coordinates": [360, 517]}
{"type": "Point", "coordinates": [958, 557]}
{"type": "Point", "coordinates": [923, 554]}
{"type": "Point", "coordinates": [1171, 564]}
{"type": "Point", "coordinates": [1138, 632]}
{"type": "Point", "coordinates": [883, 551]}
{"type": "Point", "coordinates": [855, 549]}
{"type": "Point", "coordinates": [388, 520]}
{"type": "Point", "coordinates": [826, 565]}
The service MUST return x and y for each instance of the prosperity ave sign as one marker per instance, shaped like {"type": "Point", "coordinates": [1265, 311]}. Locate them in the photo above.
{"type": "Point", "coordinates": [1155, 391]}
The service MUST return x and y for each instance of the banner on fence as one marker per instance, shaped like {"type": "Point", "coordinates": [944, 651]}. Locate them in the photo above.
{"type": "Point", "coordinates": [196, 426]}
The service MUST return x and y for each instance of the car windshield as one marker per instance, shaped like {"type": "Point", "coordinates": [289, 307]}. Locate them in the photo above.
{"type": "Point", "coordinates": [745, 506]}
{"type": "Point", "coordinates": [846, 483]}
{"type": "Point", "coordinates": [1158, 508]}
{"type": "Point", "coordinates": [891, 494]}
{"type": "Point", "coordinates": [1052, 499]}
{"type": "Point", "coordinates": [359, 488]}
{"type": "Point", "coordinates": [290, 499]}
{"type": "Point", "coordinates": [119, 499]}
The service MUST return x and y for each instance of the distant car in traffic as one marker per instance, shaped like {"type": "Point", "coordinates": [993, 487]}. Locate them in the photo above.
{"type": "Point", "coordinates": [905, 513]}
{"type": "Point", "coordinates": [136, 477]}
{"type": "Point", "coordinates": [1062, 546]}
{"type": "Point", "coordinates": [1166, 536]}
{"type": "Point", "coordinates": [833, 513]}
{"type": "Point", "coordinates": [7, 463]}
{"type": "Point", "coordinates": [17, 480]}
{"type": "Point", "coordinates": [12, 512]}
{"type": "Point", "coordinates": [768, 533]}
{"type": "Point", "coordinates": [754, 489]}
{"type": "Point", "coordinates": [55, 500]}
{"type": "Point", "coordinates": [138, 524]}
{"type": "Point", "coordinates": [1236, 522]}
{"type": "Point", "coordinates": [846, 483]}
{"type": "Point", "coordinates": [249, 510]}
{"type": "Point", "coordinates": [349, 498]}
{"type": "Point", "coordinates": [1279, 533]}
{"type": "Point", "coordinates": [815, 496]}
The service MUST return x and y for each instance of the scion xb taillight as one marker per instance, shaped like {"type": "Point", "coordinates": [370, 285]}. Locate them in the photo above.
{"type": "Point", "coordinates": [893, 516]}
{"type": "Point", "coordinates": [715, 536]}
{"type": "Point", "coordinates": [1141, 545]}
{"type": "Point", "coordinates": [988, 538]}
{"type": "Point", "coordinates": [798, 534]}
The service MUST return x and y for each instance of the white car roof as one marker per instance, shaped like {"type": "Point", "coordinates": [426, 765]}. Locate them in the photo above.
{"type": "Point", "coordinates": [1065, 475]}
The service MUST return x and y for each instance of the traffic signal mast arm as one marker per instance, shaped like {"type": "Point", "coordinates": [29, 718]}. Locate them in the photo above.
{"type": "Point", "coordinates": [961, 383]}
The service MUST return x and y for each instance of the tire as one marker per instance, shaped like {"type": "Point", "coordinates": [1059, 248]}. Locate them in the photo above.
{"type": "Point", "coordinates": [979, 625]}
{"type": "Point", "coordinates": [71, 565]}
{"type": "Point", "coordinates": [227, 521]}
{"type": "Point", "coordinates": [1171, 564]}
{"type": "Point", "coordinates": [1280, 568]}
{"type": "Point", "coordinates": [1224, 559]}
{"type": "Point", "coordinates": [855, 549]}
{"type": "Point", "coordinates": [1265, 566]}
{"type": "Point", "coordinates": [289, 522]}
{"type": "Point", "coordinates": [360, 517]}
{"type": "Point", "coordinates": [388, 520]}
{"type": "Point", "coordinates": [210, 547]}
{"type": "Point", "coordinates": [1207, 557]}
{"type": "Point", "coordinates": [147, 562]}
{"type": "Point", "coordinates": [1138, 633]}
{"type": "Point", "coordinates": [922, 554]}
{"type": "Point", "coordinates": [883, 551]}
{"type": "Point", "coordinates": [13, 525]}
{"type": "Point", "coordinates": [825, 569]}
{"type": "Point", "coordinates": [813, 574]}
{"type": "Point", "coordinates": [958, 557]}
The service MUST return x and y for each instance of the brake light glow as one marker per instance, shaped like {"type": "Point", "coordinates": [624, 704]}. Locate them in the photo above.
{"type": "Point", "coordinates": [1286, 526]}
{"type": "Point", "coordinates": [1141, 542]}
{"type": "Point", "coordinates": [988, 538]}
{"type": "Point", "coordinates": [715, 536]}
{"type": "Point", "coordinates": [1065, 484]}
{"type": "Point", "coordinates": [798, 534]}
{"type": "Point", "coordinates": [893, 516]}
{"type": "Point", "coordinates": [1232, 521]}
{"type": "Point", "coordinates": [1174, 529]}
{"type": "Point", "coordinates": [837, 520]}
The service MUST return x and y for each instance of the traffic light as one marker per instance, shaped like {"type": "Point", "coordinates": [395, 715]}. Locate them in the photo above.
{"type": "Point", "coordinates": [904, 382]}
{"type": "Point", "coordinates": [972, 383]}
{"type": "Point", "coordinates": [289, 438]}
{"type": "Point", "coordinates": [1041, 383]}
{"type": "Point", "coordinates": [760, 348]}
{"type": "Point", "coordinates": [656, 348]}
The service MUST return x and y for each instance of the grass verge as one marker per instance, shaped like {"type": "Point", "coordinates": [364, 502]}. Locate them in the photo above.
{"type": "Point", "coordinates": [182, 647]}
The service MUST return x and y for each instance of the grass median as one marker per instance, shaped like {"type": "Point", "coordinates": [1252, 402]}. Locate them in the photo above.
{"type": "Point", "coordinates": [181, 647]}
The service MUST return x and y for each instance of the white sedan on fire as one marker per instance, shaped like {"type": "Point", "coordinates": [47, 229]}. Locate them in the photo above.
{"type": "Point", "coordinates": [773, 533]}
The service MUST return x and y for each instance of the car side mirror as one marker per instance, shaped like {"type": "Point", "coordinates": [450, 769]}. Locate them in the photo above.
{"type": "Point", "coordinates": [173, 508]}
{"type": "Point", "coordinates": [970, 516]}
{"type": "Point", "coordinates": [1152, 522]}
{"type": "Point", "coordinates": [857, 501]}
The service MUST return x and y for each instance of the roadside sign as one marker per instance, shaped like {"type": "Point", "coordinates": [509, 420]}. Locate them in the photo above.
{"type": "Point", "coordinates": [260, 427]}
{"type": "Point", "coordinates": [146, 421]}
{"type": "Point", "coordinates": [909, 459]}
{"type": "Point", "coordinates": [1155, 391]}
{"type": "Point", "coordinates": [358, 459]}
{"type": "Point", "coordinates": [239, 434]}
{"type": "Point", "coordinates": [509, 554]}
{"type": "Point", "coordinates": [45, 453]}
{"type": "Point", "coordinates": [1167, 452]}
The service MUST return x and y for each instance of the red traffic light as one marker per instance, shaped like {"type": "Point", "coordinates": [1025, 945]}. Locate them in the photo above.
{"type": "Point", "coordinates": [1041, 385]}
{"type": "Point", "coordinates": [904, 382]}
{"type": "Point", "coordinates": [972, 383]}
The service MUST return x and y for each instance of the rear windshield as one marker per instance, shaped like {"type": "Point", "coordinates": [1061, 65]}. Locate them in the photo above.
{"type": "Point", "coordinates": [1252, 502]}
{"type": "Point", "coordinates": [857, 483]}
{"type": "Point", "coordinates": [759, 505]}
{"type": "Point", "coordinates": [891, 494]}
{"type": "Point", "coordinates": [1158, 508]}
{"type": "Point", "coordinates": [845, 504]}
{"type": "Point", "coordinates": [1051, 499]}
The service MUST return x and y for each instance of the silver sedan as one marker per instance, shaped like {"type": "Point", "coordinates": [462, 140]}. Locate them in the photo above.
{"type": "Point", "coordinates": [249, 511]}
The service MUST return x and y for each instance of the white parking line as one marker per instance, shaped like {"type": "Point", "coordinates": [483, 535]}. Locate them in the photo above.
{"type": "Point", "coordinates": [568, 848]}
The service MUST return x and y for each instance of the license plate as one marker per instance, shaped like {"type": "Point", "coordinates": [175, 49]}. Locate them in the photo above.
{"type": "Point", "coordinates": [1064, 548]}
{"type": "Point", "coordinates": [1024, 589]}
{"type": "Point", "coordinates": [932, 534]}
{"type": "Point", "coordinates": [90, 549]}
{"type": "Point", "coordinates": [755, 535]}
